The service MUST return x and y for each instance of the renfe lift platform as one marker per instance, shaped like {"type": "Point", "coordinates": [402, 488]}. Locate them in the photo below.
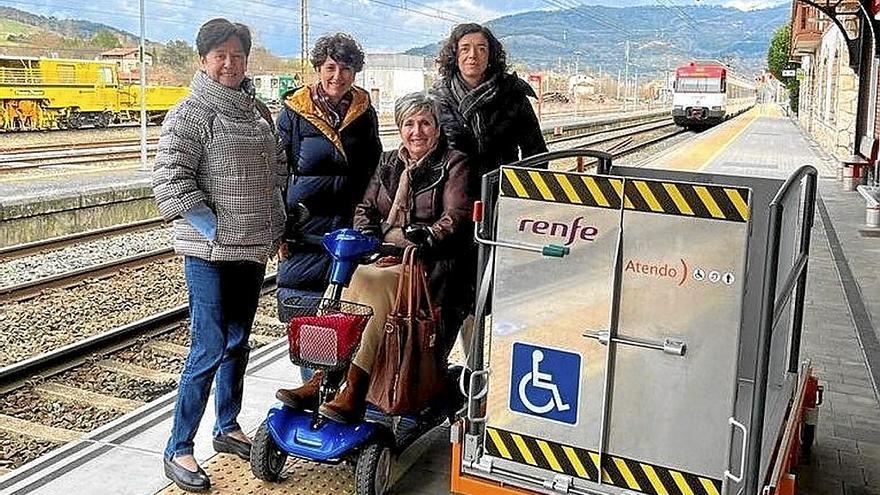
{"type": "Point", "coordinates": [660, 355]}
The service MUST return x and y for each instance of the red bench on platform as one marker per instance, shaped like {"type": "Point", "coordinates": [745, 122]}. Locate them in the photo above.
{"type": "Point", "coordinates": [855, 167]}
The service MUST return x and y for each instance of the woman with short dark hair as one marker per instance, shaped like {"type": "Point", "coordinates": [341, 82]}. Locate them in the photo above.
{"type": "Point", "coordinates": [218, 175]}
{"type": "Point", "coordinates": [484, 111]}
{"type": "Point", "coordinates": [331, 134]}
{"type": "Point", "coordinates": [217, 31]}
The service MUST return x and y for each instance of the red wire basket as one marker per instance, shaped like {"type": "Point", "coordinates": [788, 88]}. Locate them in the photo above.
{"type": "Point", "coordinates": [322, 333]}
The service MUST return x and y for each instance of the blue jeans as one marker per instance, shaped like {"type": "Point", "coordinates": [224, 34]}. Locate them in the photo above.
{"type": "Point", "coordinates": [223, 298]}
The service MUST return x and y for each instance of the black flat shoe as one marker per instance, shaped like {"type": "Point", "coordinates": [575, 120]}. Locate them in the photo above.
{"type": "Point", "coordinates": [185, 479]}
{"type": "Point", "coordinates": [230, 445]}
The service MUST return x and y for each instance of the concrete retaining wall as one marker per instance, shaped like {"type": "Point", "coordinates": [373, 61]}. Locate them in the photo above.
{"type": "Point", "coordinates": [38, 219]}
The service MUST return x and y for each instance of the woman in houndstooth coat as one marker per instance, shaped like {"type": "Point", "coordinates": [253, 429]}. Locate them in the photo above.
{"type": "Point", "coordinates": [218, 175]}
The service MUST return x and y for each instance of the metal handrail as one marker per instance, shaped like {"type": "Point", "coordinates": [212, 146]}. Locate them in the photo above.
{"type": "Point", "coordinates": [769, 306]}
{"type": "Point", "coordinates": [541, 159]}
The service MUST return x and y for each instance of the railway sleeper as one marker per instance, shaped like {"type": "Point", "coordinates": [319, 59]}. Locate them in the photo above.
{"type": "Point", "coordinates": [74, 395]}
{"type": "Point", "coordinates": [136, 371]}
{"type": "Point", "coordinates": [25, 428]}
{"type": "Point", "coordinates": [168, 348]}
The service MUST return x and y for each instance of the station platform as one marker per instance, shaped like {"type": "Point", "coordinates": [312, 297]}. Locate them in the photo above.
{"type": "Point", "coordinates": [840, 338]}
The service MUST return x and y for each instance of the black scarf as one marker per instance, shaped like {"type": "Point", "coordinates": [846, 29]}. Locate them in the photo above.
{"type": "Point", "coordinates": [471, 100]}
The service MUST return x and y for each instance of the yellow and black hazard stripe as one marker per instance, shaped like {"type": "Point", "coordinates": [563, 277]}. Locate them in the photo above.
{"type": "Point", "coordinates": [688, 200]}
{"type": "Point", "coordinates": [726, 203]}
{"type": "Point", "coordinates": [581, 463]}
{"type": "Point", "coordinates": [560, 187]}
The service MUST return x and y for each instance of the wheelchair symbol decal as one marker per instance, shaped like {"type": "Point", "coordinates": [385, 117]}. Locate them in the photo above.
{"type": "Point", "coordinates": [545, 382]}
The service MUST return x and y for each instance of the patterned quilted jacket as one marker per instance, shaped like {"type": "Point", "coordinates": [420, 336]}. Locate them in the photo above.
{"type": "Point", "coordinates": [216, 148]}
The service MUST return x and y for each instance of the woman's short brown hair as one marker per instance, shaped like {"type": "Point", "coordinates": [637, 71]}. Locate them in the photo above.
{"type": "Point", "coordinates": [340, 47]}
{"type": "Point", "coordinates": [216, 31]}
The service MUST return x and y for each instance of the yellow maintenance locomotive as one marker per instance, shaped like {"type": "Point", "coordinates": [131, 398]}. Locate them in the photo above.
{"type": "Point", "coordinates": [52, 93]}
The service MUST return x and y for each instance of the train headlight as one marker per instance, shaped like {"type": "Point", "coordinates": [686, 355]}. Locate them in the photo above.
{"type": "Point", "coordinates": [678, 107]}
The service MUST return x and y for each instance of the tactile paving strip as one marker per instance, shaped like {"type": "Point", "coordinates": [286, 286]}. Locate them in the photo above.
{"type": "Point", "coordinates": [231, 475]}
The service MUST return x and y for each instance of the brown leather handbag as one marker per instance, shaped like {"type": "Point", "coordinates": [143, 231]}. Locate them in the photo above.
{"type": "Point", "coordinates": [407, 373]}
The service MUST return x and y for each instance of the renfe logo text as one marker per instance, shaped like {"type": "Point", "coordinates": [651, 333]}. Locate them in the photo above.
{"type": "Point", "coordinates": [569, 232]}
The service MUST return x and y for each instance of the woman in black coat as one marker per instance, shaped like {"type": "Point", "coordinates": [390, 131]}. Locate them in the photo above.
{"type": "Point", "coordinates": [484, 111]}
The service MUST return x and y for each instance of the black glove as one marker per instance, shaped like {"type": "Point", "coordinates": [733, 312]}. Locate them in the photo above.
{"type": "Point", "coordinates": [297, 215]}
{"type": "Point", "coordinates": [420, 235]}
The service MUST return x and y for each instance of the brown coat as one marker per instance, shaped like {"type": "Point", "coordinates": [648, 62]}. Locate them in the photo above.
{"type": "Point", "coordinates": [438, 190]}
{"type": "Point", "coordinates": [438, 199]}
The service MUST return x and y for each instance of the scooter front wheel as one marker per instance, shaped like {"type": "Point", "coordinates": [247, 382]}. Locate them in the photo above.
{"type": "Point", "coordinates": [267, 459]}
{"type": "Point", "coordinates": [373, 471]}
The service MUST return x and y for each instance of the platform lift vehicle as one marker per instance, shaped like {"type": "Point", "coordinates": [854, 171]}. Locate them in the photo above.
{"type": "Point", "coordinates": [324, 334]}
{"type": "Point", "coordinates": [660, 355]}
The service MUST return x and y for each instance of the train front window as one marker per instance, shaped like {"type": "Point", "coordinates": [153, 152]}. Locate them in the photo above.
{"type": "Point", "coordinates": [698, 85]}
{"type": "Point", "coordinates": [106, 75]}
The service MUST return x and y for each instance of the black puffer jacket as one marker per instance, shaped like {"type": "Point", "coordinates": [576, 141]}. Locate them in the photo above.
{"type": "Point", "coordinates": [330, 170]}
{"type": "Point", "coordinates": [510, 124]}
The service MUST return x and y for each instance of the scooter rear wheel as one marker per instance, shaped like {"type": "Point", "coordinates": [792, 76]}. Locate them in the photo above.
{"type": "Point", "coordinates": [373, 471]}
{"type": "Point", "coordinates": [267, 460]}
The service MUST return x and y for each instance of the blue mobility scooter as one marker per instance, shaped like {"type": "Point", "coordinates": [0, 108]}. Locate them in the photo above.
{"type": "Point", "coordinates": [324, 334]}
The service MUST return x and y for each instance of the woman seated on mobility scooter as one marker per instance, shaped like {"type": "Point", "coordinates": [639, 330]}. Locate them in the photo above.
{"type": "Point", "coordinates": [417, 196]}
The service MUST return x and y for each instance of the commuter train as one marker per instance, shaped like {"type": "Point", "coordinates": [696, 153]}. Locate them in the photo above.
{"type": "Point", "coordinates": [706, 93]}
{"type": "Point", "coordinates": [50, 93]}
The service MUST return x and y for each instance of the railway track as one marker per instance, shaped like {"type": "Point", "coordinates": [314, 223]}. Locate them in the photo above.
{"type": "Point", "coordinates": [79, 237]}
{"type": "Point", "coordinates": [25, 152]}
{"type": "Point", "coordinates": [30, 288]}
{"type": "Point", "coordinates": [128, 149]}
{"type": "Point", "coordinates": [58, 360]}
{"type": "Point", "coordinates": [61, 395]}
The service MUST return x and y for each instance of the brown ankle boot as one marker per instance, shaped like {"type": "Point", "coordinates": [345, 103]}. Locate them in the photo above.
{"type": "Point", "coordinates": [304, 397]}
{"type": "Point", "coordinates": [350, 404]}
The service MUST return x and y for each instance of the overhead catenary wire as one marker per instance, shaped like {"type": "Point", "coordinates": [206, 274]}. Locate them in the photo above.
{"type": "Point", "coordinates": [427, 35]}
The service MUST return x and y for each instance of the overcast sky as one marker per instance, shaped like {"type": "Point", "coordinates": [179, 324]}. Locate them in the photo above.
{"type": "Point", "coordinates": [381, 25]}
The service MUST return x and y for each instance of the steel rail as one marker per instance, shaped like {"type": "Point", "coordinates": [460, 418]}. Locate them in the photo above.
{"type": "Point", "coordinates": [79, 159]}
{"type": "Point", "coordinates": [72, 355]}
{"type": "Point", "coordinates": [40, 148]}
{"type": "Point", "coordinates": [30, 288]}
{"type": "Point", "coordinates": [668, 120]}
{"type": "Point", "coordinates": [52, 243]}
{"type": "Point", "coordinates": [626, 147]}
{"type": "Point", "coordinates": [651, 142]}
{"type": "Point", "coordinates": [630, 134]}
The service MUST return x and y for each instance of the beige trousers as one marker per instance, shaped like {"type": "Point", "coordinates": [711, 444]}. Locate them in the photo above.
{"type": "Point", "coordinates": [375, 287]}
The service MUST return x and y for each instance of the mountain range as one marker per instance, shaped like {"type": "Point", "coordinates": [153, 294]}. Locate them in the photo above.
{"type": "Point", "coordinates": [658, 37]}
{"type": "Point", "coordinates": [586, 36]}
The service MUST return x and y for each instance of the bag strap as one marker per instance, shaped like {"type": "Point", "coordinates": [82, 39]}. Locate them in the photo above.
{"type": "Point", "coordinates": [425, 291]}
{"type": "Point", "coordinates": [412, 296]}
{"type": "Point", "coordinates": [402, 283]}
